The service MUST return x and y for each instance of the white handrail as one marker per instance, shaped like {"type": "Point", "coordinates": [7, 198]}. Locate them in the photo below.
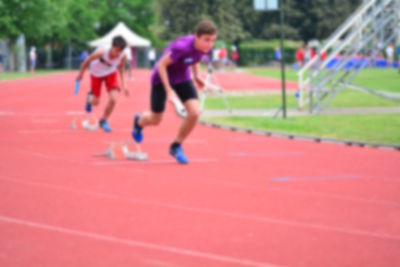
{"type": "Point", "coordinates": [364, 14]}
{"type": "Point", "coordinates": [341, 30]}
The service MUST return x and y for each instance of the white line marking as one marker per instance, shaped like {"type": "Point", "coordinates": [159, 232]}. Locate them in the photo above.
{"type": "Point", "coordinates": [168, 141]}
{"type": "Point", "coordinates": [304, 193]}
{"type": "Point", "coordinates": [6, 113]}
{"type": "Point", "coordinates": [132, 243]}
{"type": "Point", "coordinates": [44, 121]}
{"type": "Point", "coordinates": [155, 141]}
{"type": "Point", "coordinates": [166, 161]}
{"type": "Point", "coordinates": [52, 157]}
{"type": "Point", "coordinates": [75, 112]}
{"type": "Point", "coordinates": [243, 154]}
{"type": "Point", "coordinates": [271, 220]}
{"type": "Point", "coordinates": [45, 131]}
{"type": "Point", "coordinates": [159, 263]}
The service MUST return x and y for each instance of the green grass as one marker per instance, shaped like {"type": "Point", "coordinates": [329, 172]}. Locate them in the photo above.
{"type": "Point", "coordinates": [21, 75]}
{"type": "Point", "coordinates": [345, 99]}
{"type": "Point", "coordinates": [377, 79]}
{"type": "Point", "coordinates": [250, 102]}
{"type": "Point", "coordinates": [377, 128]}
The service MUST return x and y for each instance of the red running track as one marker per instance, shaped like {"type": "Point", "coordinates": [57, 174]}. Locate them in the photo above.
{"type": "Point", "coordinates": [243, 201]}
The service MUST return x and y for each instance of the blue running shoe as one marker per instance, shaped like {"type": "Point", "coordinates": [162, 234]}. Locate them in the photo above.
{"type": "Point", "coordinates": [88, 106]}
{"type": "Point", "coordinates": [104, 124]}
{"type": "Point", "coordinates": [178, 154]}
{"type": "Point", "coordinates": [137, 132]}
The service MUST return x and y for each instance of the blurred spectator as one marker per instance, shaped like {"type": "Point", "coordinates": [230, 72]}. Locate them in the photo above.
{"type": "Point", "coordinates": [398, 55]}
{"type": "Point", "coordinates": [278, 55]}
{"type": "Point", "coordinates": [324, 55]}
{"type": "Point", "coordinates": [390, 55]}
{"type": "Point", "coordinates": [300, 56]}
{"type": "Point", "coordinates": [235, 55]}
{"type": "Point", "coordinates": [307, 54]}
{"type": "Point", "coordinates": [1, 61]}
{"type": "Point", "coordinates": [313, 52]}
{"type": "Point", "coordinates": [83, 56]}
{"type": "Point", "coordinates": [152, 57]}
{"type": "Point", "coordinates": [223, 56]}
{"type": "Point", "coordinates": [215, 57]}
{"type": "Point", "coordinates": [33, 58]}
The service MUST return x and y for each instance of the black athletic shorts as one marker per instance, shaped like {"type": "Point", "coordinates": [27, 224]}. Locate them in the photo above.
{"type": "Point", "coordinates": [185, 91]}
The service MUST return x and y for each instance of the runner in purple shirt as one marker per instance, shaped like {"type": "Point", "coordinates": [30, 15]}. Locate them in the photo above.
{"type": "Point", "coordinates": [172, 79]}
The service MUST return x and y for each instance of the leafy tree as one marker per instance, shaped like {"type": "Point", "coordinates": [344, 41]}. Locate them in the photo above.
{"type": "Point", "coordinates": [36, 19]}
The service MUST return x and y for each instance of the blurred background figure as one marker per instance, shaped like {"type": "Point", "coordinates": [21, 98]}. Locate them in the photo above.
{"type": "Point", "coordinates": [1, 61]}
{"type": "Point", "coordinates": [300, 56]}
{"type": "Point", "coordinates": [152, 57]}
{"type": "Point", "coordinates": [83, 56]}
{"type": "Point", "coordinates": [398, 56]}
{"type": "Point", "coordinates": [215, 57]}
{"type": "Point", "coordinates": [278, 56]}
{"type": "Point", "coordinates": [234, 55]}
{"type": "Point", "coordinates": [33, 59]}
{"type": "Point", "coordinates": [390, 55]}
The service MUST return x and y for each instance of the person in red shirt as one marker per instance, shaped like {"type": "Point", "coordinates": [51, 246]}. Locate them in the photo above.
{"type": "Point", "coordinates": [223, 53]}
{"type": "Point", "coordinates": [313, 52]}
{"type": "Point", "coordinates": [300, 55]}
{"type": "Point", "coordinates": [324, 55]}
{"type": "Point", "coordinates": [235, 55]}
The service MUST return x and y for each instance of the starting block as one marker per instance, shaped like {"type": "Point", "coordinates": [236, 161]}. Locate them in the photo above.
{"type": "Point", "coordinates": [89, 124]}
{"type": "Point", "coordinates": [121, 151]}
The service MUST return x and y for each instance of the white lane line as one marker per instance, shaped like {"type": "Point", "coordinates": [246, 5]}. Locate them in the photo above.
{"type": "Point", "coordinates": [234, 215]}
{"type": "Point", "coordinates": [45, 131]}
{"type": "Point", "coordinates": [304, 193]}
{"type": "Point", "coordinates": [44, 121]}
{"type": "Point", "coordinates": [51, 157]}
{"type": "Point", "coordinates": [6, 113]}
{"type": "Point", "coordinates": [75, 112]}
{"type": "Point", "coordinates": [243, 154]}
{"type": "Point", "coordinates": [132, 242]}
{"type": "Point", "coordinates": [155, 141]}
{"type": "Point", "coordinates": [150, 162]}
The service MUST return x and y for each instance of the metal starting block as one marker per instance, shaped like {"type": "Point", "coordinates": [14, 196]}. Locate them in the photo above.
{"type": "Point", "coordinates": [120, 151]}
{"type": "Point", "coordinates": [89, 124]}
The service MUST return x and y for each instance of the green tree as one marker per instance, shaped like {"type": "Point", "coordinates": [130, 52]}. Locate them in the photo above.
{"type": "Point", "coordinates": [225, 15]}
{"type": "Point", "coordinates": [315, 19]}
{"type": "Point", "coordinates": [304, 19]}
{"type": "Point", "coordinates": [321, 17]}
{"type": "Point", "coordinates": [249, 17]}
{"type": "Point", "coordinates": [36, 19]}
{"type": "Point", "coordinates": [136, 14]}
{"type": "Point", "coordinates": [81, 17]}
{"type": "Point", "coordinates": [179, 17]}
{"type": "Point", "coordinates": [270, 22]}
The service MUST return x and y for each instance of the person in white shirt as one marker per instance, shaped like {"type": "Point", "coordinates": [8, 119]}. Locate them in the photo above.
{"type": "Point", "coordinates": [104, 64]}
{"type": "Point", "coordinates": [390, 55]}
{"type": "Point", "coordinates": [152, 57]}
{"type": "Point", "coordinates": [33, 58]}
